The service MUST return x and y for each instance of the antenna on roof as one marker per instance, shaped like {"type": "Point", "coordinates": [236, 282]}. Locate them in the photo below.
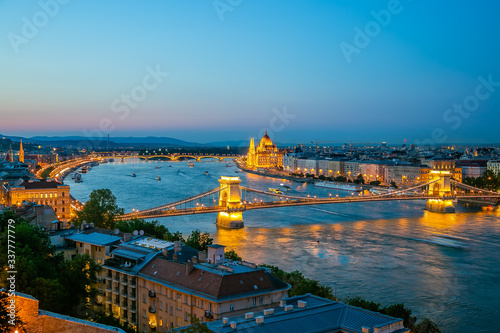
{"type": "Point", "coordinates": [135, 233]}
{"type": "Point", "coordinates": [141, 232]}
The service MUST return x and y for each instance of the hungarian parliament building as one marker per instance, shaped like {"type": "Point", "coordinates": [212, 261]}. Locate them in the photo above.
{"type": "Point", "coordinates": [265, 155]}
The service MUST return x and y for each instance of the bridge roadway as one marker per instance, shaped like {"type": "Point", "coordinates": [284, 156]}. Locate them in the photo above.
{"type": "Point", "coordinates": [174, 157]}
{"type": "Point", "coordinates": [287, 203]}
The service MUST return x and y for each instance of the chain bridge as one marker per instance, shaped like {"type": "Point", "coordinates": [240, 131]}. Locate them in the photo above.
{"type": "Point", "coordinates": [230, 199]}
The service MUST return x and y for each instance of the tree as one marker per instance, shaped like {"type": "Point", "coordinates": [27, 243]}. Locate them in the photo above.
{"type": "Point", "coordinates": [300, 284]}
{"type": "Point", "coordinates": [359, 179]}
{"type": "Point", "coordinates": [76, 278]}
{"type": "Point", "coordinates": [231, 254]}
{"type": "Point", "coordinates": [100, 209]}
{"type": "Point", "coordinates": [426, 326]}
{"type": "Point", "coordinates": [195, 327]}
{"type": "Point", "coordinates": [361, 303]}
{"type": "Point", "coordinates": [199, 241]}
{"type": "Point", "coordinates": [341, 179]}
{"type": "Point", "coordinates": [400, 311]}
{"type": "Point", "coordinates": [375, 182]}
{"type": "Point", "coordinates": [150, 228]}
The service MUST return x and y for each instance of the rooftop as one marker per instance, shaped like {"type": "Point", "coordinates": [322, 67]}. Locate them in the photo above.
{"type": "Point", "coordinates": [318, 315]}
{"type": "Point", "coordinates": [206, 279]}
{"type": "Point", "coordinates": [94, 238]}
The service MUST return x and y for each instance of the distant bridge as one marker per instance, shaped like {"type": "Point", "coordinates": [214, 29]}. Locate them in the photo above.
{"type": "Point", "coordinates": [230, 199]}
{"type": "Point", "coordinates": [174, 157]}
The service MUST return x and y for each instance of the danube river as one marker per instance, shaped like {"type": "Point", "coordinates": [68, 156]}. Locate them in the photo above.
{"type": "Point", "coordinates": [379, 251]}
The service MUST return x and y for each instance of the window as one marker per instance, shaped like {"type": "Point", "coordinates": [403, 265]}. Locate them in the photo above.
{"type": "Point", "coordinates": [171, 310]}
{"type": "Point", "coordinates": [179, 321]}
{"type": "Point", "coordinates": [160, 323]}
{"type": "Point", "coordinates": [144, 313]}
{"type": "Point", "coordinates": [144, 298]}
{"type": "Point", "coordinates": [231, 307]}
{"type": "Point", "coordinates": [185, 316]}
{"type": "Point", "coordinates": [179, 301]}
{"type": "Point", "coordinates": [210, 304]}
{"type": "Point", "coordinates": [161, 306]}
{"type": "Point", "coordinates": [81, 244]}
{"type": "Point", "coordinates": [144, 327]}
{"type": "Point", "coordinates": [55, 195]}
{"type": "Point", "coordinates": [261, 300]}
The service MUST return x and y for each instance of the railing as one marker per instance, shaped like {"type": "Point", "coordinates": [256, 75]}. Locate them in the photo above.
{"type": "Point", "coordinates": [152, 309]}
{"type": "Point", "coordinates": [152, 294]}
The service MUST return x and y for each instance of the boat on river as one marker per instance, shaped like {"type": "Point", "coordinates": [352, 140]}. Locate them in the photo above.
{"type": "Point", "coordinates": [339, 186]}
{"type": "Point", "coordinates": [275, 190]}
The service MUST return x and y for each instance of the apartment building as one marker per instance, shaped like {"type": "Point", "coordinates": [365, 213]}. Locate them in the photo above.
{"type": "Point", "coordinates": [178, 285]}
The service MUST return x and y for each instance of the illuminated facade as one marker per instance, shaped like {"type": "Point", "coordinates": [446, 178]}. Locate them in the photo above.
{"type": "Point", "coordinates": [265, 155]}
{"type": "Point", "coordinates": [43, 192]}
{"type": "Point", "coordinates": [21, 152]}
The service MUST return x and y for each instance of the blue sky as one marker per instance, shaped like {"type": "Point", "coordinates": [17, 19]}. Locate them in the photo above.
{"type": "Point", "coordinates": [238, 67]}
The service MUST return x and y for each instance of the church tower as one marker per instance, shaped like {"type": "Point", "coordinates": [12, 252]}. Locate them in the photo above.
{"type": "Point", "coordinates": [251, 154]}
{"type": "Point", "coordinates": [21, 152]}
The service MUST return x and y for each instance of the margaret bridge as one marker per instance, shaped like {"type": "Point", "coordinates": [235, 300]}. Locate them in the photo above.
{"type": "Point", "coordinates": [230, 199]}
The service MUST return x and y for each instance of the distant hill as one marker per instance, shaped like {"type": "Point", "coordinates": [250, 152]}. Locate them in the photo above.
{"type": "Point", "coordinates": [123, 140]}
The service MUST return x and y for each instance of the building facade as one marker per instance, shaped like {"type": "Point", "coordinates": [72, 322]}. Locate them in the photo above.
{"type": "Point", "coordinates": [494, 166]}
{"type": "Point", "coordinates": [43, 192]}
{"type": "Point", "coordinates": [172, 289]}
{"type": "Point", "coordinates": [265, 155]}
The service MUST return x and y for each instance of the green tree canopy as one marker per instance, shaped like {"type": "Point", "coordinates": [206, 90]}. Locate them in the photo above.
{"type": "Point", "coordinates": [198, 240]}
{"type": "Point", "coordinates": [100, 209]}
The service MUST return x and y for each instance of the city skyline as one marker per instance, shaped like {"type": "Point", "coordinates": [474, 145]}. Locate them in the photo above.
{"type": "Point", "coordinates": [203, 72]}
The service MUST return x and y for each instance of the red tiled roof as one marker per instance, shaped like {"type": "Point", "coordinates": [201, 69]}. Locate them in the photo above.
{"type": "Point", "coordinates": [212, 284]}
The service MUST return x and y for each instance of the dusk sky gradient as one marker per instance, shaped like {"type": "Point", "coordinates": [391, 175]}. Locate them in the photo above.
{"type": "Point", "coordinates": [227, 76]}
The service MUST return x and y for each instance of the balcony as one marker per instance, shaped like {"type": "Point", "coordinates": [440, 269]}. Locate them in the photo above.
{"type": "Point", "coordinates": [132, 296]}
{"type": "Point", "coordinates": [124, 293]}
{"type": "Point", "coordinates": [152, 294]}
{"type": "Point", "coordinates": [124, 281]}
{"type": "Point", "coordinates": [152, 309]}
{"type": "Point", "coordinates": [132, 282]}
{"type": "Point", "coordinates": [109, 288]}
{"type": "Point", "coordinates": [209, 315]}
{"type": "Point", "coordinates": [125, 305]}
{"type": "Point", "coordinates": [116, 290]}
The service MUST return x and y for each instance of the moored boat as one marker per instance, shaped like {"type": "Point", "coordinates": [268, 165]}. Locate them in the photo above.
{"type": "Point", "coordinates": [339, 186]}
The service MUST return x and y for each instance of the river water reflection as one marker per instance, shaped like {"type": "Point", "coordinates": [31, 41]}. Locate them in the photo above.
{"type": "Point", "coordinates": [379, 251]}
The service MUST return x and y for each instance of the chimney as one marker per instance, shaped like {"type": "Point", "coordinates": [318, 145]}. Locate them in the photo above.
{"type": "Point", "coordinates": [194, 260]}
{"type": "Point", "coordinates": [164, 252]}
{"type": "Point", "coordinates": [225, 320]}
{"type": "Point", "coordinates": [259, 320]}
{"type": "Point", "coordinates": [282, 303]}
{"type": "Point", "coordinates": [202, 256]}
{"type": "Point", "coordinates": [268, 312]}
{"type": "Point", "coordinates": [177, 246]}
{"type": "Point", "coordinates": [233, 325]}
{"type": "Point", "coordinates": [189, 267]}
{"type": "Point", "coordinates": [365, 329]}
{"type": "Point", "coordinates": [288, 307]}
{"type": "Point", "coordinates": [127, 236]}
{"type": "Point", "coordinates": [92, 224]}
{"type": "Point", "coordinates": [249, 315]}
{"type": "Point", "coordinates": [301, 304]}
{"type": "Point", "coordinates": [175, 257]}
